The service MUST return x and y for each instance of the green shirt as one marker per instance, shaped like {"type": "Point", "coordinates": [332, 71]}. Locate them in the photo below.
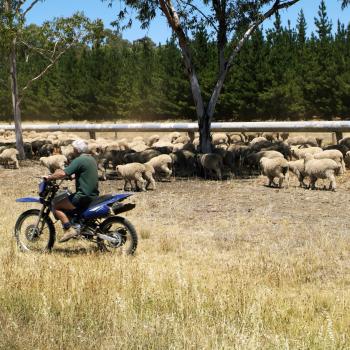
{"type": "Point", "coordinates": [86, 176]}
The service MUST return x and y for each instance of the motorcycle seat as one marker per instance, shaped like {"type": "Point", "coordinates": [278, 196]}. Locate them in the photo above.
{"type": "Point", "coordinates": [100, 199]}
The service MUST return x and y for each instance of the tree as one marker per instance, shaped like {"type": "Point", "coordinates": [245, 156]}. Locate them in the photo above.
{"type": "Point", "coordinates": [56, 38]}
{"type": "Point", "coordinates": [231, 21]}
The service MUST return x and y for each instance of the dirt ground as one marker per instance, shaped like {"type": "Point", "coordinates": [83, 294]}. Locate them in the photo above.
{"type": "Point", "coordinates": [199, 205]}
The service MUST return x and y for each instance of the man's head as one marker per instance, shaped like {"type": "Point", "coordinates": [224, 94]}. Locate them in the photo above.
{"type": "Point", "coordinates": [79, 147]}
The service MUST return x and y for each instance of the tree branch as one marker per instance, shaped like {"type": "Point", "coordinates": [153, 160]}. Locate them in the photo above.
{"type": "Point", "coordinates": [200, 11]}
{"type": "Point", "coordinates": [29, 7]}
{"type": "Point", "coordinates": [19, 5]}
{"type": "Point", "coordinates": [39, 51]}
{"type": "Point", "coordinates": [44, 70]}
{"type": "Point", "coordinates": [278, 5]}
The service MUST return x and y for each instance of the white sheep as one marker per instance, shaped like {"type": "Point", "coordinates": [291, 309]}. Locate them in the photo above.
{"type": "Point", "coordinates": [162, 164]}
{"type": "Point", "coordinates": [219, 138]}
{"type": "Point", "coordinates": [139, 173]}
{"type": "Point", "coordinates": [152, 139]}
{"type": "Point", "coordinates": [9, 156]}
{"type": "Point", "coordinates": [53, 163]}
{"type": "Point", "coordinates": [212, 163]}
{"type": "Point", "coordinates": [276, 167]}
{"type": "Point", "coordinates": [257, 140]}
{"type": "Point", "coordinates": [299, 153]}
{"type": "Point", "coordinates": [334, 154]}
{"type": "Point", "coordinates": [132, 172]}
{"type": "Point", "coordinates": [321, 169]}
{"type": "Point", "coordinates": [297, 167]}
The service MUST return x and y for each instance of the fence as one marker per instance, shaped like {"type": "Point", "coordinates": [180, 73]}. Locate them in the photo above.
{"type": "Point", "coordinates": [337, 127]}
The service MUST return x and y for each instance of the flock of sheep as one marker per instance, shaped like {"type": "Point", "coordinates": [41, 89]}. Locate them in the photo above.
{"type": "Point", "coordinates": [141, 161]}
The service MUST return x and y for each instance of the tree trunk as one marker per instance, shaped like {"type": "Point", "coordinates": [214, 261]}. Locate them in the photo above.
{"type": "Point", "coordinates": [16, 101]}
{"type": "Point", "coordinates": [205, 144]}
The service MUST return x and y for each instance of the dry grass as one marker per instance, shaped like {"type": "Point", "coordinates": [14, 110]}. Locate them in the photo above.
{"type": "Point", "coordinates": [229, 265]}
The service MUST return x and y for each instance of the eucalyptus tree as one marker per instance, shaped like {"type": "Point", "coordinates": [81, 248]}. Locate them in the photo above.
{"type": "Point", "coordinates": [231, 22]}
{"type": "Point", "coordinates": [53, 40]}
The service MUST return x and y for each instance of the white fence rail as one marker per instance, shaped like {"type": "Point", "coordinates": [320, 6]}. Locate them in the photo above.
{"type": "Point", "coordinates": [309, 126]}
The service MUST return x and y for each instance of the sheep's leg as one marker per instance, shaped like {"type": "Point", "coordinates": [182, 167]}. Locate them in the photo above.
{"type": "Point", "coordinates": [313, 182]}
{"type": "Point", "coordinates": [167, 171]}
{"type": "Point", "coordinates": [271, 183]}
{"type": "Point", "coordinates": [332, 184]}
{"type": "Point", "coordinates": [16, 164]}
{"type": "Point", "coordinates": [127, 181]}
{"type": "Point", "coordinates": [218, 173]}
{"type": "Point", "coordinates": [150, 181]}
{"type": "Point", "coordinates": [282, 178]}
{"type": "Point", "coordinates": [139, 179]}
{"type": "Point", "coordinates": [103, 169]}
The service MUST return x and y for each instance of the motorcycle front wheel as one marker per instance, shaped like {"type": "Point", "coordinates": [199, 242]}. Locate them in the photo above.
{"type": "Point", "coordinates": [122, 231]}
{"type": "Point", "coordinates": [33, 234]}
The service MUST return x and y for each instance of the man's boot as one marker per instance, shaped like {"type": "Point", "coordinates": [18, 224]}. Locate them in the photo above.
{"type": "Point", "coordinates": [68, 234]}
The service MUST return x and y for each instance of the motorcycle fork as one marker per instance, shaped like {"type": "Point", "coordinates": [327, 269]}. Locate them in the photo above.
{"type": "Point", "coordinates": [43, 212]}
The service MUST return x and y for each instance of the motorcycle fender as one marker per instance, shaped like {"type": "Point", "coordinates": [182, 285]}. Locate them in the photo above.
{"type": "Point", "coordinates": [29, 200]}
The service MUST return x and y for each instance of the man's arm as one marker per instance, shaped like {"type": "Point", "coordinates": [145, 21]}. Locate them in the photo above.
{"type": "Point", "coordinates": [57, 175]}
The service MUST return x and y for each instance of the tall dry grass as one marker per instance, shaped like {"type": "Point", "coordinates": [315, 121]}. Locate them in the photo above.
{"type": "Point", "coordinates": [219, 266]}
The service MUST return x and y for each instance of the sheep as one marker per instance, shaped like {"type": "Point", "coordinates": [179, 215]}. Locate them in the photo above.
{"type": "Point", "coordinates": [276, 167]}
{"type": "Point", "coordinates": [53, 163]}
{"type": "Point", "coordinates": [68, 152]}
{"type": "Point", "coordinates": [152, 139]}
{"type": "Point", "coordinates": [211, 163]}
{"type": "Point", "coordinates": [299, 153]}
{"type": "Point", "coordinates": [141, 157]}
{"type": "Point", "coordinates": [182, 139]}
{"type": "Point", "coordinates": [347, 159]}
{"type": "Point", "coordinates": [321, 169]}
{"type": "Point", "coordinates": [297, 167]}
{"type": "Point", "coordinates": [132, 172]}
{"type": "Point", "coordinates": [219, 138]}
{"type": "Point", "coordinates": [235, 138]}
{"type": "Point", "coordinates": [334, 154]}
{"type": "Point", "coordinates": [9, 156]}
{"type": "Point", "coordinates": [258, 139]}
{"type": "Point", "coordinates": [184, 163]}
{"type": "Point", "coordinates": [162, 164]}
{"type": "Point", "coordinates": [148, 176]}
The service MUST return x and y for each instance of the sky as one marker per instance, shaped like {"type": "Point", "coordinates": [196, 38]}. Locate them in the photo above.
{"type": "Point", "coordinates": [159, 31]}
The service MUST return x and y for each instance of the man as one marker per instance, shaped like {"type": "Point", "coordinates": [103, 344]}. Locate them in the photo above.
{"type": "Point", "coordinates": [84, 168]}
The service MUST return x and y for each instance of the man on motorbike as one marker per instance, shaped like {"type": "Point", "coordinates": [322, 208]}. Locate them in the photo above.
{"type": "Point", "coordinates": [84, 169]}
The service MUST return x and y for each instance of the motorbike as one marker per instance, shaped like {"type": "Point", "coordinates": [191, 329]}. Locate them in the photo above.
{"type": "Point", "coordinates": [99, 223]}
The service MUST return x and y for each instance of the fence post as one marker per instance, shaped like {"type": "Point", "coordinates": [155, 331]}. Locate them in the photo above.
{"type": "Point", "coordinates": [338, 135]}
{"type": "Point", "coordinates": [92, 135]}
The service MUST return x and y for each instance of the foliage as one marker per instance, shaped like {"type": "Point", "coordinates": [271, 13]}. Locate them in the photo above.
{"type": "Point", "coordinates": [281, 73]}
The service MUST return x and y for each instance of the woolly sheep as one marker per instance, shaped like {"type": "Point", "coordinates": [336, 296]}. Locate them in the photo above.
{"type": "Point", "coordinates": [9, 156]}
{"type": "Point", "coordinates": [257, 140]}
{"type": "Point", "coordinates": [297, 167]}
{"type": "Point", "coordinates": [212, 163]}
{"type": "Point", "coordinates": [321, 169]}
{"type": "Point", "coordinates": [334, 154]}
{"type": "Point", "coordinates": [152, 139]}
{"type": "Point", "coordinates": [182, 139]}
{"type": "Point", "coordinates": [219, 138]}
{"type": "Point", "coordinates": [276, 167]}
{"type": "Point", "coordinates": [162, 164]}
{"type": "Point", "coordinates": [133, 172]}
{"type": "Point", "coordinates": [53, 163]}
{"type": "Point", "coordinates": [347, 159]}
{"type": "Point", "coordinates": [300, 153]}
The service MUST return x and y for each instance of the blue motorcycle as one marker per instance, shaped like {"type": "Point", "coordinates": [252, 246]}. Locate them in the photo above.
{"type": "Point", "coordinates": [99, 223]}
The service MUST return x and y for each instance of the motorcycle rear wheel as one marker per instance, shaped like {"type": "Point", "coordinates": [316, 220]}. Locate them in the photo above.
{"type": "Point", "coordinates": [121, 229]}
{"type": "Point", "coordinates": [31, 238]}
